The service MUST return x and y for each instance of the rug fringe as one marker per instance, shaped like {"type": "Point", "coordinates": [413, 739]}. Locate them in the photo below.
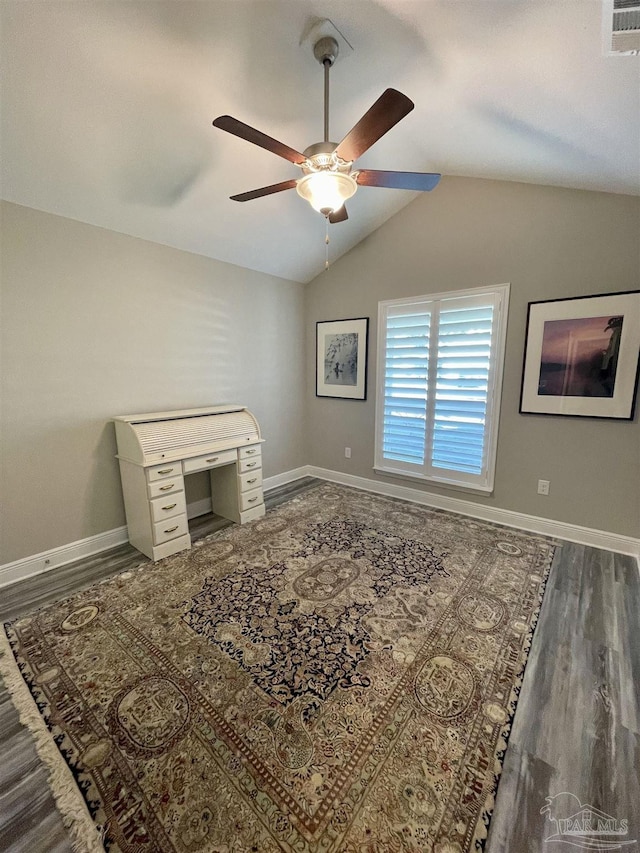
{"type": "Point", "coordinates": [84, 834]}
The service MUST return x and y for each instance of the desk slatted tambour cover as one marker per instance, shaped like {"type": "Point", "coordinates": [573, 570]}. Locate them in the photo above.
{"type": "Point", "coordinates": [157, 449]}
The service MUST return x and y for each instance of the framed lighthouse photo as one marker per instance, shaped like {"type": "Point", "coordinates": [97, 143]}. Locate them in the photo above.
{"type": "Point", "coordinates": [582, 356]}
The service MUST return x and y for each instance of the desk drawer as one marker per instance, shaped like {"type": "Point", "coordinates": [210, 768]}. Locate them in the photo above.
{"type": "Point", "coordinates": [167, 507]}
{"type": "Point", "coordinates": [249, 451]}
{"type": "Point", "coordinates": [167, 469]}
{"type": "Point", "coordinates": [250, 464]}
{"type": "Point", "coordinates": [250, 499]}
{"type": "Point", "coordinates": [166, 487]}
{"type": "Point", "coordinates": [210, 460]}
{"type": "Point", "coordinates": [251, 514]}
{"type": "Point", "coordinates": [170, 528]}
{"type": "Point", "coordinates": [250, 480]}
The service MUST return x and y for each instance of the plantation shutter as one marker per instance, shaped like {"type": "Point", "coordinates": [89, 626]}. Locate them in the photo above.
{"type": "Point", "coordinates": [405, 387]}
{"type": "Point", "coordinates": [464, 361]}
{"type": "Point", "coordinates": [440, 364]}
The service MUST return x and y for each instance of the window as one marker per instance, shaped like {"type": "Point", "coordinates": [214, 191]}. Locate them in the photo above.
{"type": "Point", "coordinates": [439, 380]}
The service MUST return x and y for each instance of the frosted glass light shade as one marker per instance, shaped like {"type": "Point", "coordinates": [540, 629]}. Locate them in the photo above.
{"type": "Point", "coordinates": [327, 191]}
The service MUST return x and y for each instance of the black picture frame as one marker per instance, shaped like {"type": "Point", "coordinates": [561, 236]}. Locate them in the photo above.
{"type": "Point", "coordinates": [341, 358]}
{"type": "Point", "coordinates": [582, 356]}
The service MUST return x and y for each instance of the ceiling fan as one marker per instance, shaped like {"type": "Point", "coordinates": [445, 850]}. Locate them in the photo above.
{"type": "Point", "coordinates": [328, 175]}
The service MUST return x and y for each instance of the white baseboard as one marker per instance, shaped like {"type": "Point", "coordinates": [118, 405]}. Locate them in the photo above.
{"type": "Point", "coordinates": [55, 557]}
{"type": "Point", "coordinates": [203, 507]}
{"type": "Point", "coordinates": [286, 477]}
{"type": "Point", "coordinates": [197, 508]}
{"type": "Point", "coordinates": [532, 523]}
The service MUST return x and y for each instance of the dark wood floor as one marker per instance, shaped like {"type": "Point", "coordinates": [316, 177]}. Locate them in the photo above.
{"type": "Point", "coordinates": [576, 730]}
{"type": "Point", "coordinates": [577, 726]}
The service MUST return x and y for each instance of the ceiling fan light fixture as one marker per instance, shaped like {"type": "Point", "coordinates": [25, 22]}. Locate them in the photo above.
{"type": "Point", "coordinates": [326, 191]}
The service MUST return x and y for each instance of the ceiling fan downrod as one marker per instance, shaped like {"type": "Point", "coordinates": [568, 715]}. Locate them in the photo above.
{"type": "Point", "coordinates": [327, 180]}
{"type": "Point", "coordinates": [325, 51]}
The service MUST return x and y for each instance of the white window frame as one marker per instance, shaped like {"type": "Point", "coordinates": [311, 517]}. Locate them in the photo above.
{"type": "Point", "coordinates": [483, 482]}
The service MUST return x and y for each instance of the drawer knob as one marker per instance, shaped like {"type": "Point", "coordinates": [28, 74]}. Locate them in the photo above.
{"type": "Point", "coordinates": [169, 506]}
{"type": "Point", "coordinates": [250, 451]}
{"type": "Point", "coordinates": [215, 459]}
{"type": "Point", "coordinates": [252, 500]}
{"type": "Point", "coordinates": [165, 471]}
{"type": "Point", "coordinates": [171, 529]}
{"type": "Point", "coordinates": [251, 465]}
{"type": "Point", "coordinates": [166, 488]}
{"type": "Point", "coordinates": [252, 480]}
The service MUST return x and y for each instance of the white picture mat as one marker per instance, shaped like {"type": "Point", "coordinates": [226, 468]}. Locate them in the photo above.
{"type": "Point", "coordinates": [618, 406]}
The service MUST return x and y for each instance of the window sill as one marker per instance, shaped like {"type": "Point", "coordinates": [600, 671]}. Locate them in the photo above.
{"type": "Point", "coordinates": [436, 481]}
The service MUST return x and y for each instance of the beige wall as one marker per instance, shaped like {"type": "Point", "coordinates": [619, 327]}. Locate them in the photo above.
{"type": "Point", "coordinates": [548, 243]}
{"type": "Point", "coordinates": [96, 324]}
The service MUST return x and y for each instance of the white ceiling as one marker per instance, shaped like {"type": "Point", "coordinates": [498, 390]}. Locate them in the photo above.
{"type": "Point", "coordinates": [107, 109]}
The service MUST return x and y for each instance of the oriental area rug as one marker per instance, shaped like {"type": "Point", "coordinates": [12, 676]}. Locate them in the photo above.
{"type": "Point", "coordinates": [339, 676]}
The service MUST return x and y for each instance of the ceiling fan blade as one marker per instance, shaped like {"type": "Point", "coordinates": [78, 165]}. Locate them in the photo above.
{"type": "Point", "coordinates": [244, 131]}
{"type": "Point", "coordinates": [273, 188]}
{"type": "Point", "coordinates": [340, 215]}
{"type": "Point", "coordinates": [397, 180]}
{"type": "Point", "coordinates": [387, 111]}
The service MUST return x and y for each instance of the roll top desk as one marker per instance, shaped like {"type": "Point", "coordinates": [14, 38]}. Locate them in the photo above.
{"type": "Point", "coordinates": [157, 450]}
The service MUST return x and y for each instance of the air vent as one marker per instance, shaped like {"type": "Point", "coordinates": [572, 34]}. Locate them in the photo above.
{"type": "Point", "coordinates": [623, 25]}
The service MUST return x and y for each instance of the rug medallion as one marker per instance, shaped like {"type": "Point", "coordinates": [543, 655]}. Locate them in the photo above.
{"type": "Point", "coordinates": [340, 675]}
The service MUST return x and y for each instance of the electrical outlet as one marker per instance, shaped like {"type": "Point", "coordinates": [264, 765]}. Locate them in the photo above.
{"type": "Point", "coordinates": [347, 453]}
{"type": "Point", "coordinates": [543, 487]}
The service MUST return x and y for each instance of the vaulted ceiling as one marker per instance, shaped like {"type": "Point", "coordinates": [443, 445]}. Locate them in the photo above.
{"type": "Point", "coordinates": [107, 109]}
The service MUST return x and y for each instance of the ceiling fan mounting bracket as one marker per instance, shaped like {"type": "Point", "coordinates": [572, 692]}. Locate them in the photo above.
{"type": "Point", "coordinates": [326, 50]}
{"type": "Point", "coordinates": [320, 28]}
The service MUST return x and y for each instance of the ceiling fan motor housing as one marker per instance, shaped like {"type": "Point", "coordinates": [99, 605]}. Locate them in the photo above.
{"type": "Point", "coordinates": [320, 156]}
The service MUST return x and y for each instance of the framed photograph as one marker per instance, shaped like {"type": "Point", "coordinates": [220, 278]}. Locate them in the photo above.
{"type": "Point", "coordinates": [341, 358]}
{"type": "Point", "coordinates": [582, 356]}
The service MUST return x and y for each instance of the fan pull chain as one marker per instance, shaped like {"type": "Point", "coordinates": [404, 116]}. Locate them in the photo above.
{"type": "Point", "coordinates": [326, 240]}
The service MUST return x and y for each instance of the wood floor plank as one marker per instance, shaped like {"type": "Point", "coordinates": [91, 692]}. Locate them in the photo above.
{"type": "Point", "coordinates": [627, 608]}
{"type": "Point", "coordinates": [525, 780]}
{"type": "Point", "coordinates": [571, 731]}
